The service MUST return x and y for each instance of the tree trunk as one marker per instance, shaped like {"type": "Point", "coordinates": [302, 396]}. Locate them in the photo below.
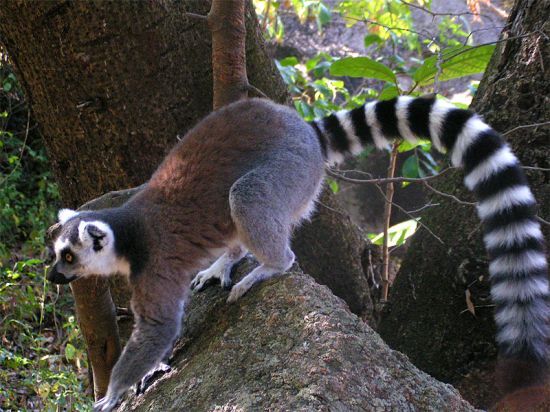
{"type": "Point", "coordinates": [112, 85]}
{"type": "Point", "coordinates": [428, 317]}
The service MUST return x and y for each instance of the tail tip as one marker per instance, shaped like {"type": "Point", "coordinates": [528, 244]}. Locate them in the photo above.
{"type": "Point", "coordinates": [517, 374]}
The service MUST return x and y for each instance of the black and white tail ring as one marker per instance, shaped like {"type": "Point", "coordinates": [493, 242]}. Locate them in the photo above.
{"type": "Point", "coordinates": [518, 267]}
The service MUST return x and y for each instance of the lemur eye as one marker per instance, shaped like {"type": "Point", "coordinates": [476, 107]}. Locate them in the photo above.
{"type": "Point", "coordinates": [68, 257]}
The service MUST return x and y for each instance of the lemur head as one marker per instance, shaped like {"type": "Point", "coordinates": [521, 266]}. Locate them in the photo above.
{"type": "Point", "coordinates": [84, 245]}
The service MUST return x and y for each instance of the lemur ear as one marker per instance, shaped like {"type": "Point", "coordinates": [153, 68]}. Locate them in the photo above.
{"type": "Point", "coordinates": [96, 234]}
{"type": "Point", "coordinates": [65, 214]}
{"type": "Point", "coordinates": [95, 231]}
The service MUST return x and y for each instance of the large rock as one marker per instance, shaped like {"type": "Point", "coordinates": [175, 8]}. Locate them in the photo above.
{"type": "Point", "coordinates": [289, 344]}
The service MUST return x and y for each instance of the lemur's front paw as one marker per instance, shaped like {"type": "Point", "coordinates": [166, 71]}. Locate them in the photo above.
{"type": "Point", "coordinates": [238, 291]}
{"type": "Point", "coordinates": [203, 279]}
{"type": "Point", "coordinates": [151, 376]}
{"type": "Point", "coordinates": [105, 404]}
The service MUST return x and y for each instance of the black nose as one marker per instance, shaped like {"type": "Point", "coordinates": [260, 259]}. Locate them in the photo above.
{"type": "Point", "coordinates": [59, 278]}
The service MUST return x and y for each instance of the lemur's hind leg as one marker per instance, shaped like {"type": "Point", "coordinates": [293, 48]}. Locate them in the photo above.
{"type": "Point", "coordinates": [220, 269]}
{"type": "Point", "coordinates": [264, 225]}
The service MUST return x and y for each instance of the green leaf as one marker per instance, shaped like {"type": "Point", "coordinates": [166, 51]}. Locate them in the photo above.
{"type": "Point", "coordinates": [397, 234]}
{"type": "Point", "coordinates": [289, 61]}
{"type": "Point", "coordinates": [405, 146]}
{"type": "Point", "coordinates": [70, 351]}
{"type": "Point", "coordinates": [388, 93]}
{"type": "Point", "coordinates": [455, 62]}
{"type": "Point", "coordinates": [410, 167]}
{"type": "Point", "coordinates": [371, 39]}
{"type": "Point", "coordinates": [323, 16]}
{"type": "Point", "coordinates": [334, 186]}
{"type": "Point", "coordinates": [362, 67]}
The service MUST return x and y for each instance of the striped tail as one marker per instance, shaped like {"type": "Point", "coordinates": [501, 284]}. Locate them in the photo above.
{"type": "Point", "coordinates": [518, 268]}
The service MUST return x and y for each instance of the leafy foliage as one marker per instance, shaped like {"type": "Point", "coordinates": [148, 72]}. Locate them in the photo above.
{"type": "Point", "coordinates": [42, 359]}
{"type": "Point", "coordinates": [416, 63]}
{"type": "Point", "coordinates": [397, 234]}
{"type": "Point", "coordinates": [453, 63]}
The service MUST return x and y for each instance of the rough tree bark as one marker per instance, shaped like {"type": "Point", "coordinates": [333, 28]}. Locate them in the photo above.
{"type": "Point", "coordinates": [428, 318]}
{"type": "Point", "coordinates": [287, 345]}
{"type": "Point", "coordinates": [226, 23]}
{"type": "Point", "coordinates": [112, 84]}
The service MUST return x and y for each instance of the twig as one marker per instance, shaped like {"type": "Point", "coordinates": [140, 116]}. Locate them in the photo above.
{"type": "Point", "coordinates": [540, 169]}
{"type": "Point", "coordinates": [411, 216]}
{"type": "Point", "coordinates": [253, 89]}
{"type": "Point", "coordinates": [391, 28]}
{"type": "Point", "coordinates": [525, 126]}
{"type": "Point", "coordinates": [390, 190]}
{"type": "Point", "coordinates": [197, 16]}
{"type": "Point", "coordinates": [426, 206]}
{"type": "Point", "coordinates": [467, 39]}
{"type": "Point", "coordinates": [370, 269]}
{"type": "Point", "coordinates": [435, 14]}
{"type": "Point", "coordinates": [447, 195]}
{"type": "Point", "coordinates": [330, 208]}
{"type": "Point", "coordinates": [478, 306]}
{"type": "Point", "coordinates": [266, 15]}
{"type": "Point", "coordinates": [382, 180]}
{"type": "Point", "coordinates": [541, 220]}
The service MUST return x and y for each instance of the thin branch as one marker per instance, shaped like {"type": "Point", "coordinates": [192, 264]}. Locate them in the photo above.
{"type": "Point", "coordinates": [426, 206]}
{"type": "Point", "coordinates": [330, 208]}
{"type": "Point", "coordinates": [255, 91]}
{"type": "Point", "coordinates": [390, 190]}
{"type": "Point", "coordinates": [197, 16]}
{"type": "Point", "coordinates": [380, 181]}
{"type": "Point", "coordinates": [425, 35]}
{"type": "Point", "coordinates": [467, 39]}
{"type": "Point", "coordinates": [447, 195]}
{"type": "Point", "coordinates": [411, 216]}
{"type": "Point", "coordinates": [540, 169]}
{"type": "Point", "coordinates": [464, 50]}
{"type": "Point", "coordinates": [266, 16]}
{"type": "Point", "coordinates": [436, 14]}
{"type": "Point", "coordinates": [526, 126]}
{"type": "Point", "coordinates": [541, 220]}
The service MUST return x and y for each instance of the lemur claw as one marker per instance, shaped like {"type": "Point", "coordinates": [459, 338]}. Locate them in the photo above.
{"type": "Point", "coordinates": [201, 281]}
{"type": "Point", "coordinates": [151, 376]}
{"type": "Point", "coordinates": [105, 404]}
{"type": "Point", "coordinates": [237, 292]}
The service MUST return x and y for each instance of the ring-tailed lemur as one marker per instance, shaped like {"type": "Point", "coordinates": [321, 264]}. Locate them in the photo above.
{"type": "Point", "coordinates": [248, 173]}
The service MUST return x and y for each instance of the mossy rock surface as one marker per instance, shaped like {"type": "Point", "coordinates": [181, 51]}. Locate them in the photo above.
{"type": "Point", "coordinates": [287, 345]}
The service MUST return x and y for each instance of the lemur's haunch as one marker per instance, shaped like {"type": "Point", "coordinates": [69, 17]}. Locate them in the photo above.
{"type": "Point", "coordinates": [247, 174]}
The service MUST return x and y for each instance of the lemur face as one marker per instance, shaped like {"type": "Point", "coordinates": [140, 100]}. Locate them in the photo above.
{"type": "Point", "coordinates": [84, 247]}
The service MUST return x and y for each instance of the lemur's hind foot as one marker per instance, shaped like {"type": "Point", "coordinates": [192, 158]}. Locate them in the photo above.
{"type": "Point", "coordinates": [220, 269]}
{"type": "Point", "coordinates": [261, 273]}
{"type": "Point", "coordinates": [151, 376]}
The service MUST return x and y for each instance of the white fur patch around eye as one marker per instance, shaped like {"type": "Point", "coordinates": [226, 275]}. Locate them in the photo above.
{"type": "Point", "coordinates": [65, 214]}
{"type": "Point", "coordinates": [59, 245]}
